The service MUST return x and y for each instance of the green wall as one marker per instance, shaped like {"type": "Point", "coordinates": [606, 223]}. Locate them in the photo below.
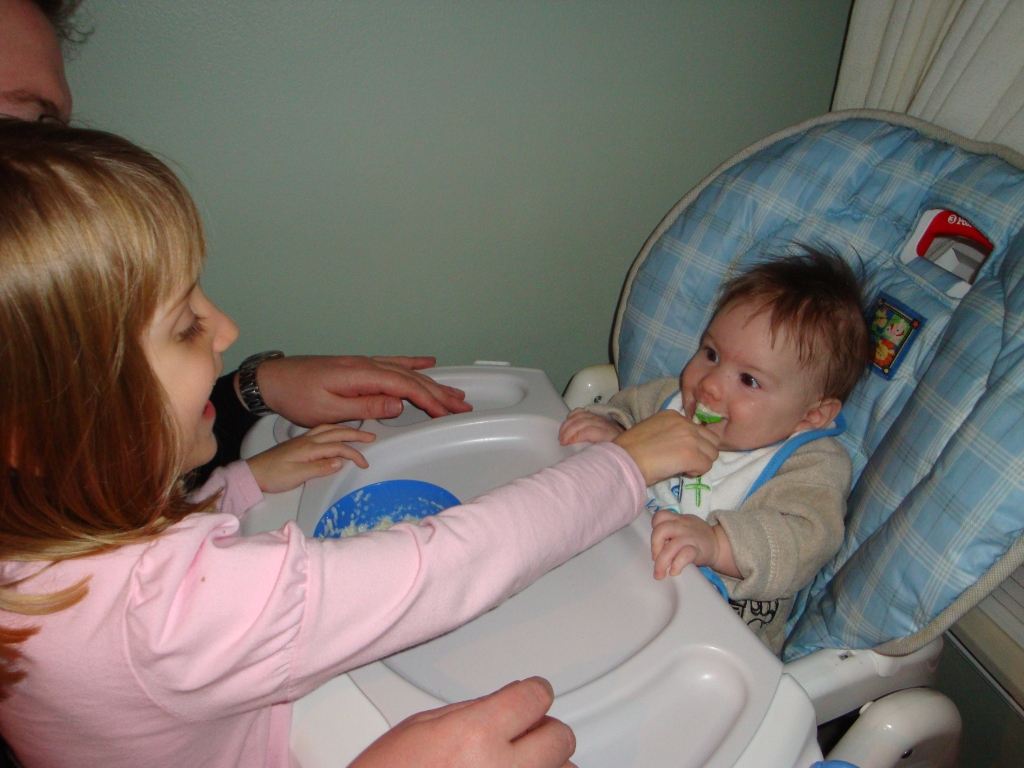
{"type": "Point", "coordinates": [465, 179]}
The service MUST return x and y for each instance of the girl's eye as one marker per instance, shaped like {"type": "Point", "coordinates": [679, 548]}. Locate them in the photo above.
{"type": "Point", "coordinates": [749, 381]}
{"type": "Point", "coordinates": [194, 331]}
{"type": "Point", "coordinates": [711, 355]}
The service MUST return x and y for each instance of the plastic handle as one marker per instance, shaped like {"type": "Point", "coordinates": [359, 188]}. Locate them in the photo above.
{"type": "Point", "coordinates": [949, 224]}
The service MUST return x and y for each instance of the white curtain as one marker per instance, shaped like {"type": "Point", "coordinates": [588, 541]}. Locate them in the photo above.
{"type": "Point", "coordinates": [956, 63]}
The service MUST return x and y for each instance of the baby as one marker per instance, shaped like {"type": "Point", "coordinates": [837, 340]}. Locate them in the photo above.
{"type": "Point", "coordinates": [764, 502]}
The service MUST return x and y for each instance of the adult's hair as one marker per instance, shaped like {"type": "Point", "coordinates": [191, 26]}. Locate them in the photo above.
{"type": "Point", "coordinates": [63, 17]}
{"type": "Point", "coordinates": [95, 234]}
{"type": "Point", "coordinates": [815, 297]}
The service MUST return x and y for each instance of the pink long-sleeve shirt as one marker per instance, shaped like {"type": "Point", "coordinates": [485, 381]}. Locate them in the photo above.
{"type": "Point", "coordinates": [188, 649]}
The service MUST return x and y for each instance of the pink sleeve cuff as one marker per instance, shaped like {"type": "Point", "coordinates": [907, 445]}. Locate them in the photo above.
{"type": "Point", "coordinates": [240, 490]}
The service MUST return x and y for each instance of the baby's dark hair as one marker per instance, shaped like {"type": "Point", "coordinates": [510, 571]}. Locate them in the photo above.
{"type": "Point", "coordinates": [814, 295]}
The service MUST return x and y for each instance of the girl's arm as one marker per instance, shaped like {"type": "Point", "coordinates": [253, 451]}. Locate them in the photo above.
{"type": "Point", "coordinates": [440, 574]}
{"type": "Point", "coordinates": [218, 623]}
{"type": "Point", "coordinates": [237, 486]}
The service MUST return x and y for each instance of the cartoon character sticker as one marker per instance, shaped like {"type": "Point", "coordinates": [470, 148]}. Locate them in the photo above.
{"type": "Point", "coordinates": [892, 329]}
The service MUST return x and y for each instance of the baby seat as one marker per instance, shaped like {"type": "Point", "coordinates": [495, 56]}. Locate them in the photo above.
{"type": "Point", "coordinates": [935, 429]}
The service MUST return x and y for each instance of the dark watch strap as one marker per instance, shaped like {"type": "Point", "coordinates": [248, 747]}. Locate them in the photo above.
{"type": "Point", "coordinates": [247, 386]}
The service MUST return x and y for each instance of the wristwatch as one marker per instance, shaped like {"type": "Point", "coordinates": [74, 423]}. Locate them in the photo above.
{"type": "Point", "coordinates": [247, 386]}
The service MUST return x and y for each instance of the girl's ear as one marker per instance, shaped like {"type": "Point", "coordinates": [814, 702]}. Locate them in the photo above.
{"type": "Point", "coordinates": [822, 413]}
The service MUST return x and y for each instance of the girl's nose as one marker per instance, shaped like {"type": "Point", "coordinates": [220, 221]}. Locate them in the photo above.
{"type": "Point", "coordinates": [226, 332]}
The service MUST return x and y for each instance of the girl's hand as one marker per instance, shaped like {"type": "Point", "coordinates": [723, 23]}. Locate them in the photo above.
{"type": "Point", "coordinates": [581, 426]}
{"type": "Point", "coordinates": [678, 540]}
{"type": "Point", "coordinates": [668, 444]}
{"type": "Point", "coordinates": [319, 452]}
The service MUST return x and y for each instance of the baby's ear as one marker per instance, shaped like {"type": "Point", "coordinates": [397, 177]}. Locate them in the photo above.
{"type": "Point", "coordinates": [822, 413]}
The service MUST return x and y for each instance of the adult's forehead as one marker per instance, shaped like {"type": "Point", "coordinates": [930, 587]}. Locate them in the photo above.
{"type": "Point", "coordinates": [32, 79]}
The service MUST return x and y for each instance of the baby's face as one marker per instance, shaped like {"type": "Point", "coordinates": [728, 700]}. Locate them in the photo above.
{"type": "Point", "coordinates": [762, 392]}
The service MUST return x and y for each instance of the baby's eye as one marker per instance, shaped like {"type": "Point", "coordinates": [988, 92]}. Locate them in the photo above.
{"type": "Point", "coordinates": [711, 355]}
{"type": "Point", "coordinates": [748, 381]}
{"type": "Point", "coordinates": [194, 331]}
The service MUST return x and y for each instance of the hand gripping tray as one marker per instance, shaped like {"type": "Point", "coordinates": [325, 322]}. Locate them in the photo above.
{"type": "Point", "coordinates": [647, 673]}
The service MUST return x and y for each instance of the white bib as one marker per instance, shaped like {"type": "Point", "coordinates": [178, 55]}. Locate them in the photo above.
{"type": "Point", "coordinates": [724, 486]}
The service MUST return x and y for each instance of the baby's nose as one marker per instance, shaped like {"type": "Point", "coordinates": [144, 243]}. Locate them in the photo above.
{"type": "Point", "coordinates": [710, 387]}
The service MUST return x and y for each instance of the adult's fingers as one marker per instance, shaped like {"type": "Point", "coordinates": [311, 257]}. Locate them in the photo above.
{"type": "Point", "coordinates": [551, 743]}
{"type": "Point", "coordinates": [404, 384]}
{"type": "Point", "coordinates": [517, 707]}
{"type": "Point", "coordinates": [360, 407]}
{"type": "Point", "coordinates": [311, 390]}
{"type": "Point", "coordinates": [412, 363]}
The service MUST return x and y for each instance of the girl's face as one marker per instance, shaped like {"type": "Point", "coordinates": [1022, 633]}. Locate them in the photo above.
{"type": "Point", "coordinates": [761, 389]}
{"type": "Point", "coordinates": [184, 344]}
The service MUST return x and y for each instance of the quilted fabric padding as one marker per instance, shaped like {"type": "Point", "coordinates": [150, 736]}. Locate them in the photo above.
{"type": "Point", "coordinates": [939, 478]}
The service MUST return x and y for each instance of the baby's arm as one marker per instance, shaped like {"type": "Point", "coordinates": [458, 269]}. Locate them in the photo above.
{"type": "Point", "coordinates": [791, 525]}
{"type": "Point", "coordinates": [678, 540]}
{"type": "Point", "coordinates": [320, 451]}
{"type": "Point", "coordinates": [581, 426]}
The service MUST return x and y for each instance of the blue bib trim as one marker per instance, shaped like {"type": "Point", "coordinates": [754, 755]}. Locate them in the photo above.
{"type": "Point", "coordinates": [715, 579]}
{"type": "Point", "coordinates": [790, 446]}
{"type": "Point", "coordinates": [669, 400]}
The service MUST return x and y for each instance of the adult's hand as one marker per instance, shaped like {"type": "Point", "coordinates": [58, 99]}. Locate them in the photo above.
{"type": "Point", "coordinates": [508, 729]}
{"type": "Point", "coordinates": [310, 390]}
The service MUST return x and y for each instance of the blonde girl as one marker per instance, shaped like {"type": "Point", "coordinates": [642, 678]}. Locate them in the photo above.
{"type": "Point", "coordinates": [137, 626]}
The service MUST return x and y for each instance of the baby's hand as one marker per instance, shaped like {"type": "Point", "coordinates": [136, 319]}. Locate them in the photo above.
{"type": "Point", "coordinates": [679, 540]}
{"type": "Point", "coordinates": [582, 426]}
{"type": "Point", "coordinates": [321, 451]}
{"type": "Point", "coordinates": [668, 444]}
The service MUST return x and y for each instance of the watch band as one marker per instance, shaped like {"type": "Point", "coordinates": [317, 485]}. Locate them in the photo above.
{"type": "Point", "coordinates": [247, 386]}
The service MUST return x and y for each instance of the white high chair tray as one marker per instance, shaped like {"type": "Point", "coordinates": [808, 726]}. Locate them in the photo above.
{"type": "Point", "coordinates": [647, 673]}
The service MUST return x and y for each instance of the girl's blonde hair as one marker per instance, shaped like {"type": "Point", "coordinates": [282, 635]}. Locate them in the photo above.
{"type": "Point", "coordinates": [95, 233]}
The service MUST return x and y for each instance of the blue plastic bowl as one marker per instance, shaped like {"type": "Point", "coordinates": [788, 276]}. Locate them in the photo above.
{"type": "Point", "coordinates": [390, 501]}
